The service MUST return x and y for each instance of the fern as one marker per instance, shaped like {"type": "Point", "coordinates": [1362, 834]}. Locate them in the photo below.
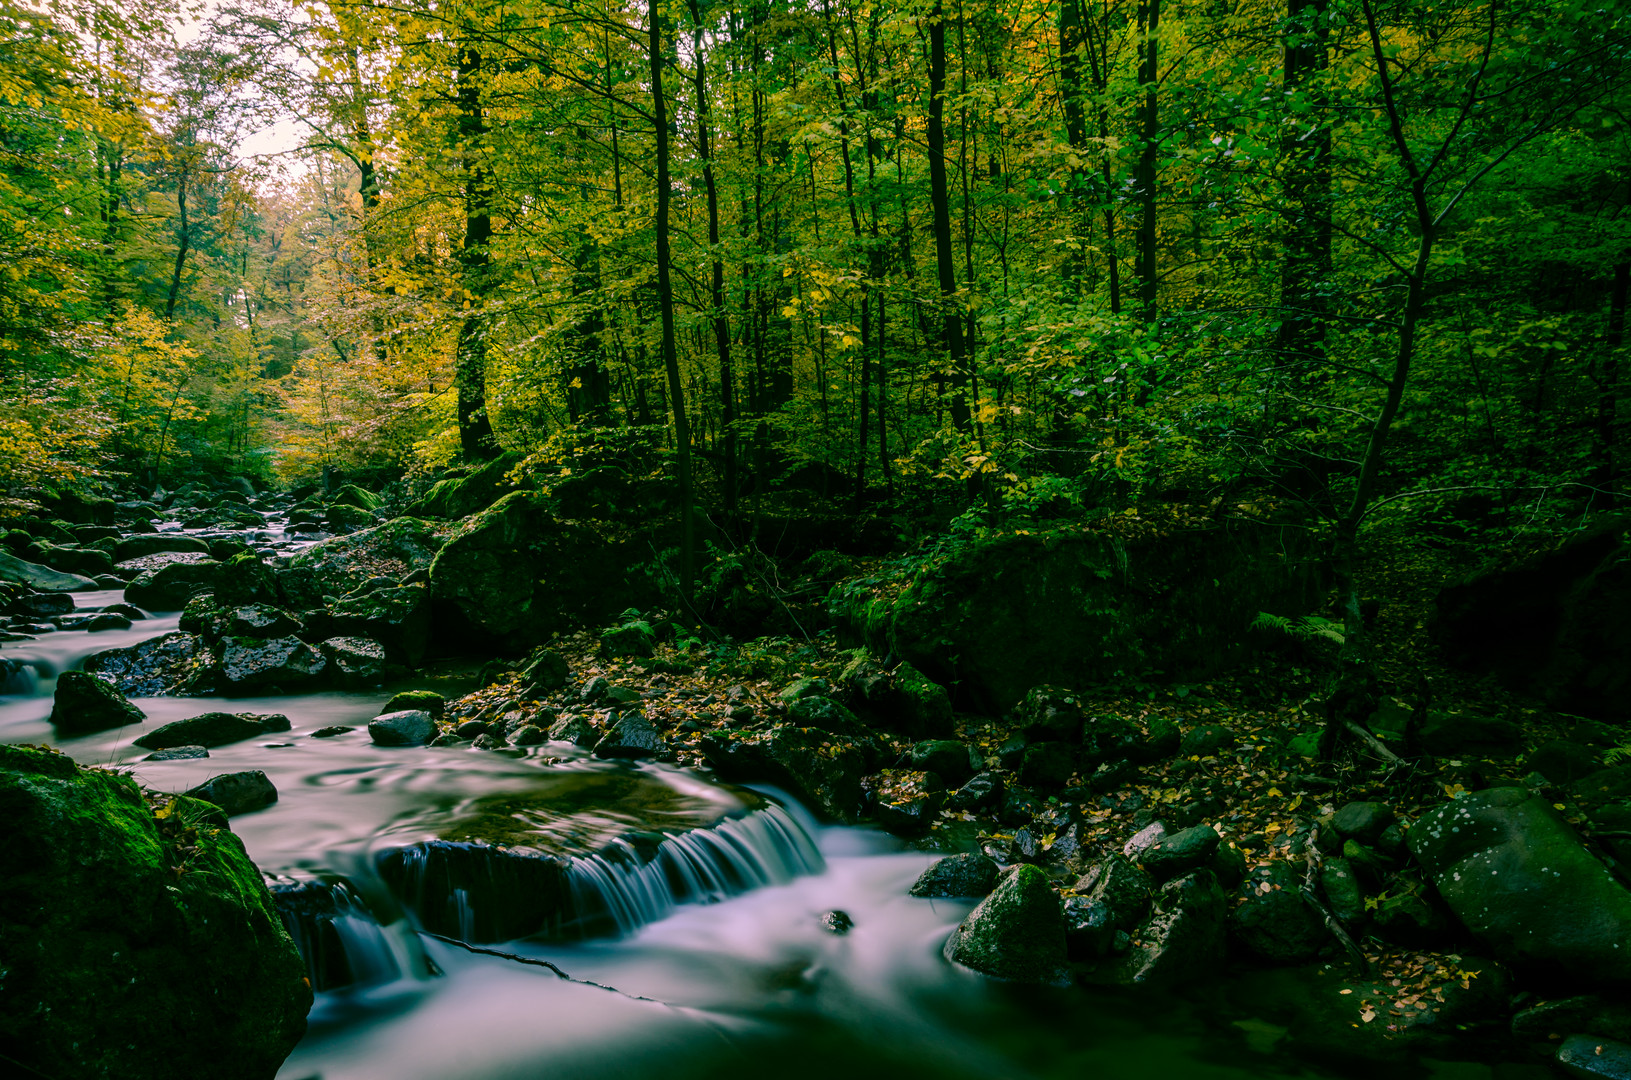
{"type": "Point", "coordinates": [1303, 628]}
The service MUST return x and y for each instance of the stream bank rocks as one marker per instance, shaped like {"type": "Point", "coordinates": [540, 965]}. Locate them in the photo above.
{"type": "Point", "coordinates": [136, 945]}
{"type": "Point", "coordinates": [86, 704]}
{"type": "Point", "coordinates": [1016, 933]}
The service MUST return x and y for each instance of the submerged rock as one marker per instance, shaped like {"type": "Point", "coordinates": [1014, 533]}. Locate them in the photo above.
{"type": "Point", "coordinates": [1017, 933]}
{"type": "Point", "coordinates": [410, 727]}
{"type": "Point", "coordinates": [85, 703]}
{"type": "Point", "coordinates": [138, 948]}
{"type": "Point", "coordinates": [236, 793]}
{"type": "Point", "coordinates": [213, 729]}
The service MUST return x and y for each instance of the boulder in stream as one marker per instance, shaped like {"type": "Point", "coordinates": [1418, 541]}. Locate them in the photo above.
{"type": "Point", "coordinates": [213, 729]}
{"type": "Point", "coordinates": [169, 587]}
{"type": "Point", "coordinates": [136, 945]}
{"type": "Point", "coordinates": [85, 703]}
{"type": "Point", "coordinates": [1017, 933]}
{"type": "Point", "coordinates": [41, 577]}
{"type": "Point", "coordinates": [161, 665]}
{"type": "Point", "coordinates": [355, 661]}
{"type": "Point", "coordinates": [410, 727]}
{"type": "Point", "coordinates": [968, 874]}
{"type": "Point", "coordinates": [236, 793]}
{"type": "Point", "coordinates": [248, 664]}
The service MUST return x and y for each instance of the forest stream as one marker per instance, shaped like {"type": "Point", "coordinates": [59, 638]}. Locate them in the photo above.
{"type": "Point", "coordinates": [810, 958]}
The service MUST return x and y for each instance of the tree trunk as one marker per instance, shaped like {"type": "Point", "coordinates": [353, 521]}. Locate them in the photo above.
{"type": "Point", "coordinates": [665, 304]}
{"type": "Point", "coordinates": [716, 289]}
{"type": "Point", "coordinates": [1149, 17]}
{"type": "Point", "coordinates": [470, 358]}
{"type": "Point", "coordinates": [1307, 261]}
{"type": "Point", "coordinates": [940, 198]}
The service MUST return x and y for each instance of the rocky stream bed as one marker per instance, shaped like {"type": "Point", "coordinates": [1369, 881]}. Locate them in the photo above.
{"type": "Point", "coordinates": [412, 775]}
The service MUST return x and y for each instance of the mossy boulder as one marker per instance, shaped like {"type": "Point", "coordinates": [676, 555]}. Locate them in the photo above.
{"type": "Point", "coordinates": [426, 700]}
{"type": "Point", "coordinates": [399, 618]}
{"type": "Point", "coordinates": [339, 565]}
{"type": "Point", "coordinates": [162, 665]}
{"type": "Point", "coordinates": [1001, 615]}
{"type": "Point", "coordinates": [244, 579]}
{"type": "Point", "coordinates": [354, 661]}
{"type": "Point", "coordinates": [134, 547]}
{"type": "Point", "coordinates": [169, 587]}
{"type": "Point", "coordinates": [820, 769]}
{"type": "Point", "coordinates": [213, 729]}
{"type": "Point", "coordinates": [460, 496]}
{"type": "Point", "coordinates": [517, 572]}
{"type": "Point", "coordinates": [135, 946]}
{"type": "Point", "coordinates": [41, 577]}
{"type": "Point", "coordinates": [1516, 874]}
{"type": "Point", "coordinates": [85, 703]}
{"type": "Point", "coordinates": [354, 496]}
{"type": "Point", "coordinates": [1017, 933]}
{"type": "Point", "coordinates": [257, 664]}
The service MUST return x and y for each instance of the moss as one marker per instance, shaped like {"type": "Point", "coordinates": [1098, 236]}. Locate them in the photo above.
{"type": "Point", "coordinates": [1016, 933]}
{"type": "Point", "coordinates": [135, 945]}
{"type": "Point", "coordinates": [425, 700]}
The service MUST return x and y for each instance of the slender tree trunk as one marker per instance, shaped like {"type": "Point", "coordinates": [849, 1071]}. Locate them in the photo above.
{"type": "Point", "coordinates": [1307, 262]}
{"type": "Point", "coordinates": [716, 289]}
{"type": "Point", "coordinates": [940, 198]}
{"type": "Point", "coordinates": [1606, 474]}
{"type": "Point", "coordinates": [665, 303]}
{"type": "Point", "coordinates": [1149, 14]}
{"type": "Point", "coordinates": [470, 359]}
{"type": "Point", "coordinates": [183, 243]}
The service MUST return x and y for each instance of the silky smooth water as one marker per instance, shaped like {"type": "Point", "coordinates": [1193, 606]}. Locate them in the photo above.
{"type": "Point", "coordinates": [736, 981]}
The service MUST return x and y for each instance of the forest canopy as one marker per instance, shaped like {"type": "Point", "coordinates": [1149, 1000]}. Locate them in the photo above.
{"type": "Point", "coordinates": [1033, 256]}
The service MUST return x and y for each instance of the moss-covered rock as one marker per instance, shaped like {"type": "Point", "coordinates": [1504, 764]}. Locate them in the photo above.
{"type": "Point", "coordinates": [85, 703]}
{"type": "Point", "coordinates": [426, 700]}
{"type": "Point", "coordinates": [169, 587]}
{"type": "Point", "coordinates": [354, 496]}
{"type": "Point", "coordinates": [1017, 933]}
{"type": "Point", "coordinates": [820, 769]}
{"type": "Point", "coordinates": [517, 572]}
{"type": "Point", "coordinates": [161, 665]}
{"type": "Point", "coordinates": [244, 579]}
{"type": "Point", "coordinates": [138, 947]}
{"type": "Point", "coordinates": [354, 661]}
{"type": "Point", "coordinates": [968, 874]}
{"type": "Point", "coordinates": [460, 496]}
{"type": "Point", "coordinates": [1517, 875]}
{"type": "Point", "coordinates": [399, 618]}
{"type": "Point", "coordinates": [339, 565]}
{"type": "Point", "coordinates": [1002, 615]}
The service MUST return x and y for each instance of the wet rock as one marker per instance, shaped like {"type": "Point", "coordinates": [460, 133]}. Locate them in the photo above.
{"type": "Point", "coordinates": [1050, 714]}
{"type": "Point", "coordinates": [331, 731]}
{"type": "Point", "coordinates": [1205, 741]}
{"type": "Point", "coordinates": [1228, 865]}
{"type": "Point", "coordinates": [107, 947]}
{"type": "Point", "coordinates": [632, 736]}
{"type": "Point", "coordinates": [398, 617]}
{"type": "Point", "coordinates": [1016, 933]}
{"type": "Point", "coordinates": [799, 689]}
{"type": "Point", "coordinates": [918, 705]}
{"type": "Point", "coordinates": [1125, 890]}
{"type": "Point", "coordinates": [129, 611]}
{"type": "Point", "coordinates": [1272, 921]}
{"type": "Point", "coordinates": [1563, 762]}
{"type": "Point", "coordinates": [1447, 734]}
{"type": "Point", "coordinates": [161, 665]}
{"type": "Point", "coordinates": [1183, 941]}
{"type": "Point", "coordinates": [1143, 840]}
{"type": "Point", "coordinates": [213, 729]}
{"type": "Point", "coordinates": [40, 577]}
{"type": "Point", "coordinates": [42, 605]}
{"type": "Point", "coordinates": [488, 741]}
{"type": "Point", "coordinates": [1407, 914]}
{"type": "Point", "coordinates": [1595, 1058]}
{"type": "Point", "coordinates": [904, 801]}
{"type": "Point", "coordinates": [179, 753]}
{"type": "Point", "coordinates": [85, 704]}
{"type": "Point", "coordinates": [1588, 1014]}
{"type": "Point", "coordinates": [460, 496]}
{"type": "Point", "coordinates": [355, 661]}
{"type": "Point", "coordinates": [1048, 764]}
{"type": "Point", "coordinates": [236, 793]}
{"type": "Point", "coordinates": [547, 670]}
{"type": "Point", "coordinates": [574, 728]}
{"type": "Point", "coordinates": [1090, 930]}
{"type": "Point", "coordinates": [837, 922]}
{"type": "Point", "coordinates": [969, 874]}
{"type": "Point", "coordinates": [1179, 853]}
{"type": "Point", "coordinates": [1362, 821]}
{"type": "Point", "coordinates": [1108, 738]}
{"type": "Point", "coordinates": [825, 714]}
{"type": "Point", "coordinates": [170, 586]}
{"type": "Point", "coordinates": [824, 771]}
{"type": "Point", "coordinates": [529, 735]}
{"type": "Point", "coordinates": [135, 547]}
{"type": "Point", "coordinates": [259, 621]}
{"type": "Point", "coordinates": [470, 729]}
{"type": "Point", "coordinates": [1342, 891]}
{"type": "Point", "coordinates": [982, 793]}
{"type": "Point", "coordinates": [950, 760]}
{"type": "Point", "coordinates": [428, 700]}
{"type": "Point", "coordinates": [243, 579]}
{"type": "Point", "coordinates": [248, 664]}
{"type": "Point", "coordinates": [594, 690]}
{"type": "Point", "coordinates": [518, 572]}
{"type": "Point", "coordinates": [335, 567]}
{"type": "Point", "coordinates": [1515, 873]}
{"type": "Point", "coordinates": [410, 727]}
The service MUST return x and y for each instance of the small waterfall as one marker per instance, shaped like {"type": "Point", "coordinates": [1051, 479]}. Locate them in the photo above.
{"type": "Point", "coordinates": [479, 893]}
{"type": "Point", "coordinates": [622, 889]}
{"type": "Point", "coordinates": [341, 941]}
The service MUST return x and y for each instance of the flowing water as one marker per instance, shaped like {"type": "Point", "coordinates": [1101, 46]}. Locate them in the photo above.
{"type": "Point", "coordinates": [703, 956]}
